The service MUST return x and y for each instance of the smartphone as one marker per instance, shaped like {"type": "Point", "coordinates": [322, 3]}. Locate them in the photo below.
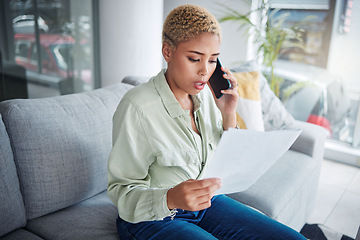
{"type": "Point", "coordinates": [218, 82]}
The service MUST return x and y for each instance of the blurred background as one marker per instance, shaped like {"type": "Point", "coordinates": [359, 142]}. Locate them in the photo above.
{"type": "Point", "coordinates": [57, 47]}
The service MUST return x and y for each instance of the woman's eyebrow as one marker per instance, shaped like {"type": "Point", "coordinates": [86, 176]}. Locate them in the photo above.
{"type": "Point", "coordinates": [200, 53]}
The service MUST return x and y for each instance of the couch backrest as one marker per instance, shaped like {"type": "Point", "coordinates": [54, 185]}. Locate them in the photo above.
{"type": "Point", "coordinates": [61, 146]}
{"type": "Point", "coordinates": [12, 210]}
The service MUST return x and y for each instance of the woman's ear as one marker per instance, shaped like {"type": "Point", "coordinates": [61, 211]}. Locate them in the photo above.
{"type": "Point", "coordinates": [167, 52]}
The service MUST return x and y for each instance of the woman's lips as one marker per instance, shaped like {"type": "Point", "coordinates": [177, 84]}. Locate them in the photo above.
{"type": "Point", "coordinates": [199, 85]}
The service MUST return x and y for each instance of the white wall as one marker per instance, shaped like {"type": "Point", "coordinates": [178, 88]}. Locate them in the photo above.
{"type": "Point", "coordinates": [344, 53]}
{"type": "Point", "coordinates": [130, 39]}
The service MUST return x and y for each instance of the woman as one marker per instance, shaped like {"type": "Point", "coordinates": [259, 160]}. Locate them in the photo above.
{"type": "Point", "coordinates": [165, 131]}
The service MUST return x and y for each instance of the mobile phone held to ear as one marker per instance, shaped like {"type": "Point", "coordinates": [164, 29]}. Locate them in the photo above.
{"type": "Point", "coordinates": [218, 82]}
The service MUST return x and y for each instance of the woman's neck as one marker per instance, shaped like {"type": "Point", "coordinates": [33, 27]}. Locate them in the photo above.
{"type": "Point", "coordinates": [186, 103]}
{"type": "Point", "coordinates": [183, 97]}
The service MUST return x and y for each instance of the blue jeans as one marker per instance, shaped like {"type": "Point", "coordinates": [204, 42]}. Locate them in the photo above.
{"type": "Point", "coordinates": [225, 219]}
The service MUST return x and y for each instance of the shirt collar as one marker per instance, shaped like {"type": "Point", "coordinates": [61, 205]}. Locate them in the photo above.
{"type": "Point", "coordinates": [197, 101]}
{"type": "Point", "coordinates": [171, 104]}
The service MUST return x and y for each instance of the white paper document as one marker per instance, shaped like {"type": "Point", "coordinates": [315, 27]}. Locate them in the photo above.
{"type": "Point", "coordinates": [243, 156]}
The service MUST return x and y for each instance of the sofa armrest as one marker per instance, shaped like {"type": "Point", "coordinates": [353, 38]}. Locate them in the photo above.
{"type": "Point", "coordinates": [311, 140]}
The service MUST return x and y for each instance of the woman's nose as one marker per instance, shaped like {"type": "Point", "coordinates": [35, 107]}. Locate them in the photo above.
{"type": "Point", "coordinates": [204, 69]}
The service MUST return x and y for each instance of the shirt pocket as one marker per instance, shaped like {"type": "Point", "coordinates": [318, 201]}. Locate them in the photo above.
{"type": "Point", "coordinates": [177, 158]}
{"type": "Point", "coordinates": [213, 140]}
{"type": "Point", "coordinates": [211, 145]}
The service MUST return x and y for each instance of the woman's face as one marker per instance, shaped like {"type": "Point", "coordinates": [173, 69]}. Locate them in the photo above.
{"type": "Point", "coordinates": [191, 64]}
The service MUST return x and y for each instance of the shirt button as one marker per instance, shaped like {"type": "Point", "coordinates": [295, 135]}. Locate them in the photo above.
{"type": "Point", "coordinates": [202, 164]}
{"type": "Point", "coordinates": [197, 119]}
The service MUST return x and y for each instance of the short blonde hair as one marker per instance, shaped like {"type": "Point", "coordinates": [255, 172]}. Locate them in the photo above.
{"type": "Point", "coordinates": [187, 22]}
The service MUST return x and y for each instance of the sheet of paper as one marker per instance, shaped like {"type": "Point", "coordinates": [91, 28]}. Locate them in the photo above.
{"type": "Point", "coordinates": [243, 156]}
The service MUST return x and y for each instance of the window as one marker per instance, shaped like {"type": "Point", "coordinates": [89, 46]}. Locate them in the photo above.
{"type": "Point", "coordinates": [316, 20]}
{"type": "Point", "coordinates": [65, 33]}
{"type": "Point", "coordinates": [340, 103]}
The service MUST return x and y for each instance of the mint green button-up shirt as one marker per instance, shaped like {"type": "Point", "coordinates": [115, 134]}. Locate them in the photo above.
{"type": "Point", "coordinates": [155, 147]}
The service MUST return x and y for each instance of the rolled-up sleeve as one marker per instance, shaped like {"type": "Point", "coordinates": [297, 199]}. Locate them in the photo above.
{"type": "Point", "coordinates": [128, 169]}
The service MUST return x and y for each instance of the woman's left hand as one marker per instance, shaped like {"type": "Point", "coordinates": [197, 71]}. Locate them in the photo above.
{"type": "Point", "coordinates": [228, 102]}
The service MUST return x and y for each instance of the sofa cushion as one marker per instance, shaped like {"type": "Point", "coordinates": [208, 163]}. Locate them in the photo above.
{"type": "Point", "coordinates": [94, 218]}
{"type": "Point", "coordinates": [248, 112]}
{"type": "Point", "coordinates": [12, 209]}
{"type": "Point", "coordinates": [20, 234]}
{"type": "Point", "coordinates": [275, 115]}
{"type": "Point", "coordinates": [61, 146]}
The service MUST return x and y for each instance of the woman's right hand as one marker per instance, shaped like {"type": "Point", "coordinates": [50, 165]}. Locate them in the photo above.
{"type": "Point", "coordinates": [193, 195]}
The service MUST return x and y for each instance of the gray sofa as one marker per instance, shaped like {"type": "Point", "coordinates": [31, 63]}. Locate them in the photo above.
{"type": "Point", "coordinates": [53, 158]}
